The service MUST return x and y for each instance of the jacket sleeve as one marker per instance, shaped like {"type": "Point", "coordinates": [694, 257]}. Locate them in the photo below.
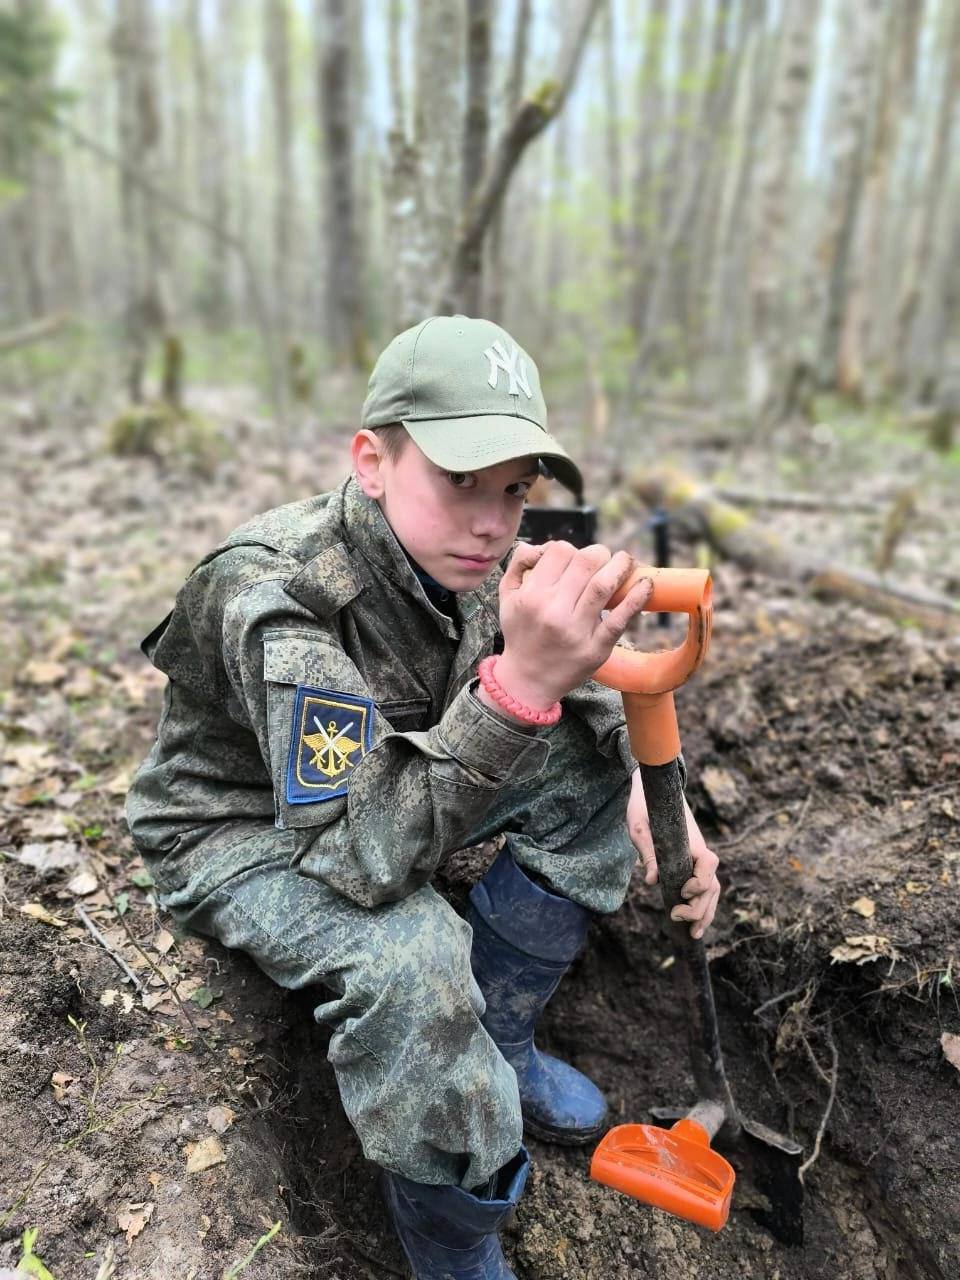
{"type": "Point", "coordinates": [400, 801]}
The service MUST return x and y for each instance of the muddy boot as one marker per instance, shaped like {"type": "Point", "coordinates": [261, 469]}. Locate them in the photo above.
{"type": "Point", "coordinates": [451, 1234]}
{"type": "Point", "coordinates": [524, 939]}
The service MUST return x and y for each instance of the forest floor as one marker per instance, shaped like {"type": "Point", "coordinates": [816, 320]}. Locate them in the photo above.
{"type": "Point", "coordinates": [159, 1134]}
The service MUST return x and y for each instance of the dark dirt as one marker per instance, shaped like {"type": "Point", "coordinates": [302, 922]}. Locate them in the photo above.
{"type": "Point", "coordinates": [823, 747]}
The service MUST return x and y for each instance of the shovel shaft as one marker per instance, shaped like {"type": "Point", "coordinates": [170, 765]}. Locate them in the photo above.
{"type": "Point", "coordinates": [668, 826]}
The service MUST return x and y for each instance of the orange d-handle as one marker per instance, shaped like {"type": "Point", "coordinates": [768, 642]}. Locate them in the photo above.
{"type": "Point", "coordinates": [647, 680]}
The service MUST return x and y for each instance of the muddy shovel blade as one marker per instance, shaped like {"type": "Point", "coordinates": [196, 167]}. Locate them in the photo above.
{"type": "Point", "coordinates": [771, 1164]}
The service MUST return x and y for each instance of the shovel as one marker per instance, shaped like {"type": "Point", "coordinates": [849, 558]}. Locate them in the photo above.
{"type": "Point", "coordinates": [677, 1169]}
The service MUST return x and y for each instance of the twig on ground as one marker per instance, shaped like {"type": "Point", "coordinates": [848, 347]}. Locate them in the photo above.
{"type": "Point", "coordinates": [791, 832]}
{"type": "Point", "coordinates": [784, 995]}
{"type": "Point", "coordinates": [114, 955]}
{"type": "Point", "coordinates": [834, 1075]}
{"type": "Point", "coordinates": [135, 943]}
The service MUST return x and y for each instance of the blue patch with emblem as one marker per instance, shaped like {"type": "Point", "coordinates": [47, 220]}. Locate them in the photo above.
{"type": "Point", "coordinates": [331, 734]}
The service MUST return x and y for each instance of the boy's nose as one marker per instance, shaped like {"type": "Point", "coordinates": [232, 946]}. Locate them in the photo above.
{"type": "Point", "coordinates": [490, 520]}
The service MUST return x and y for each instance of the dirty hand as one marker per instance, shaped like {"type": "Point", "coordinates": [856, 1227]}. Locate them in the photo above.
{"type": "Point", "coordinates": [555, 630]}
{"type": "Point", "coordinates": [702, 890]}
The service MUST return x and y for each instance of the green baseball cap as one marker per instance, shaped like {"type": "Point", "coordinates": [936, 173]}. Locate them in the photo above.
{"type": "Point", "coordinates": [468, 395]}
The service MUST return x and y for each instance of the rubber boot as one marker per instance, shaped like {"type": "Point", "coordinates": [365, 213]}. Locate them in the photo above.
{"type": "Point", "coordinates": [524, 939]}
{"type": "Point", "coordinates": [451, 1234]}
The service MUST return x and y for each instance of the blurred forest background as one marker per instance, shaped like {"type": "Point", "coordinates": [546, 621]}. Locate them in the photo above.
{"type": "Point", "coordinates": [739, 203]}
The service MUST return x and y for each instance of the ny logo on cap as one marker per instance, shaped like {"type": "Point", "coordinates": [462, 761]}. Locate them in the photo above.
{"type": "Point", "coordinates": [513, 365]}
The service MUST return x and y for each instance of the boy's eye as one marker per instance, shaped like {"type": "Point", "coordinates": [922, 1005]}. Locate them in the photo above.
{"type": "Point", "coordinates": [462, 479]}
{"type": "Point", "coordinates": [520, 489]}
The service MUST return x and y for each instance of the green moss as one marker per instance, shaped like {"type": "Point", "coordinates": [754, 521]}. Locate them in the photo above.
{"type": "Point", "coordinates": [162, 432]}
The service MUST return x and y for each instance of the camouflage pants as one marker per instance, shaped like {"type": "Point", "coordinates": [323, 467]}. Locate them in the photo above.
{"type": "Point", "coordinates": [425, 1087]}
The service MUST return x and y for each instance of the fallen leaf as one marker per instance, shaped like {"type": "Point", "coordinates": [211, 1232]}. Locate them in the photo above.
{"type": "Point", "coordinates": [204, 997]}
{"type": "Point", "coordinates": [154, 999]}
{"type": "Point", "coordinates": [188, 986]}
{"type": "Point", "coordinates": [950, 1044]}
{"type": "Point", "coordinates": [83, 882]}
{"type": "Point", "coordinates": [60, 1081]}
{"type": "Point", "coordinates": [119, 784]}
{"type": "Point", "coordinates": [134, 1218]}
{"type": "Point", "coordinates": [81, 685]}
{"type": "Point", "coordinates": [721, 788]}
{"type": "Point", "coordinates": [45, 826]}
{"type": "Point", "coordinates": [946, 806]}
{"type": "Point", "coordinates": [865, 907]}
{"type": "Point", "coordinates": [860, 948]}
{"type": "Point", "coordinates": [163, 941]}
{"type": "Point", "coordinates": [108, 997]}
{"type": "Point", "coordinates": [142, 879]}
{"type": "Point", "coordinates": [915, 886]}
{"type": "Point", "coordinates": [154, 1179]}
{"type": "Point", "coordinates": [37, 912]}
{"type": "Point", "coordinates": [205, 1154]}
{"type": "Point", "coordinates": [39, 672]}
{"type": "Point", "coordinates": [49, 857]}
{"type": "Point", "coordinates": [220, 1118]}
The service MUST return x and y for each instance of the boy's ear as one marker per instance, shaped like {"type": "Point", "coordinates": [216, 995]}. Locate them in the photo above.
{"type": "Point", "coordinates": [365, 451]}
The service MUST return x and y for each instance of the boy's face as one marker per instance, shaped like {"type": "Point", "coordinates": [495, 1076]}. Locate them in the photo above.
{"type": "Point", "coordinates": [455, 525]}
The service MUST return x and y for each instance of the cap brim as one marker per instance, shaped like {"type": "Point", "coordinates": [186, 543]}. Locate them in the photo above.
{"type": "Point", "coordinates": [467, 444]}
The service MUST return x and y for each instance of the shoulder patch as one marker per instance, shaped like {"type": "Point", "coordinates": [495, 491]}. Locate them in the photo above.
{"type": "Point", "coordinates": [330, 735]}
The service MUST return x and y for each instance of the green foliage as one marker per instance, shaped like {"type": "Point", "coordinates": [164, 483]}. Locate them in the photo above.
{"type": "Point", "coordinates": [28, 100]}
{"type": "Point", "coordinates": [30, 1264]}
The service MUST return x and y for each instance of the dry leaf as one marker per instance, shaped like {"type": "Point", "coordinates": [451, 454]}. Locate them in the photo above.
{"type": "Point", "coordinates": [721, 788]}
{"type": "Point", "coordinates": [950, 1044]}
{"type": "Point", "coordinates": [865, 907]}
{"type": "Point", "coordinates": [154, 1179]}
{"type": "Point", "coordinates": [220, 1118]}
{"type": "Point", "coordinates": [109, 998]}
{"type": "Point", "coordinates": [860, 948]}
{"type": "Point", "coordinates": [49, 857]}
{"type": "Point", "coordinates": [915, 886]}
{"type": "Point", "coordinates": [37, 912]}
{"type": "Point", "coordinates": [42, 673]}
{"type": "Point", "coordinates": [188, 986]}
{"type": "Point", "coordinates": [45, 826]}
{"type": "Point", "coordinates": [946, 806]}
{"type": "Point", "coordinates": [83, 882]}
{"type": "Point", "coordinates": [163, 941]}
{"type": "Point", "coordinates": [60, 1081]}
{"type": "Point", "coordinates": [119, 784]}
{"type": "Point", "coordinates": [204, 1155]}
{"type": "Point", "coordinates": [134, 1218]}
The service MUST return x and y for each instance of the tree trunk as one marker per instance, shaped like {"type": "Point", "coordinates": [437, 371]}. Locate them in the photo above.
{"type": "Point", "coordinates": [644, 220]}
{"type": "Point", "coordinates": [277, 49]}
{"type": "Point", "coordinates": [475, 133]}
{"type": "Point", "coordinates": [836, 365]}
{"type": "Point", "coordinates": [611, 134]}
{"type": "Point", "coordinates": [768, 319]}
{"type": "Point", "coordinates": [532, 117]}
{"type": "Point", "coordinates": [146, 305]}
{"type": "Point", "coordinates": [512, 94]}
{"type": "Point", "coordinates": [343, 305]}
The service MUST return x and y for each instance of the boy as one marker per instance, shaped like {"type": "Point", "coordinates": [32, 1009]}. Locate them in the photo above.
{"type": "Point", "coordinates": [347, 704]}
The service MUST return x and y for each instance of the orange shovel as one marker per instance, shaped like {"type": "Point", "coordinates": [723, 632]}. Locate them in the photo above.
{"type": "Point", "coordinates": [677, 1169]}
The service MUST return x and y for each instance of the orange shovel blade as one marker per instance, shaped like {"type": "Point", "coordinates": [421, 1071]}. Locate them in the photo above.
{"type": "Point", "coordinates": [674, 1169]}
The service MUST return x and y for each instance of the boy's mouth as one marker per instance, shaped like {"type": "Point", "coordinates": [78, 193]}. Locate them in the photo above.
{"type": "Point", "coordinates": [477, 562]}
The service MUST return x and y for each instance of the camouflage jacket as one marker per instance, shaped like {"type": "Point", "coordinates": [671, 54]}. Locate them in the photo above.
{"type": "Point", "coordinates": [312, 681]}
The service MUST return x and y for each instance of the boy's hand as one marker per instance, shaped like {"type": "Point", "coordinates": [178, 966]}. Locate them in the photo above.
{"type": "Point", "coordinates": [702, 890]}
{"type": "Point", "coordinates": [555, 630]}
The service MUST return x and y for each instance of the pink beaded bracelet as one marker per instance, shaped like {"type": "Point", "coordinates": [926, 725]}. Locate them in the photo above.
{"type": "Point", "coordinates": [491, 686]}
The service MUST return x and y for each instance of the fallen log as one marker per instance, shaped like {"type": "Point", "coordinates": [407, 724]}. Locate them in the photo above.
{"type": "Point", "coordinates": [35, 331]}
{"type": "Point", "coordinates": [796, 502]}
{"type": "Point", "coordinates": [733, 535]}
